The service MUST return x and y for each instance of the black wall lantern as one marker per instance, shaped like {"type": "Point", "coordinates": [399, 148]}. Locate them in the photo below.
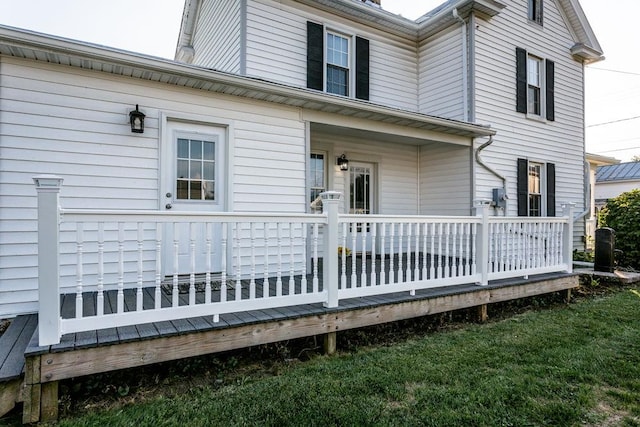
{"type": "Point", "coordinates": [137, 121]}
{"type": "Point", "coordinates": [343, 163]}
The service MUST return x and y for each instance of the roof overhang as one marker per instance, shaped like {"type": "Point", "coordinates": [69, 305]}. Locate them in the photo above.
{"type": "Point", "coordinates": [443, 16]}
{"type": "Point", "coordinates": [40, 47]}
{"type": "Point", "coordinates": [598, 160]}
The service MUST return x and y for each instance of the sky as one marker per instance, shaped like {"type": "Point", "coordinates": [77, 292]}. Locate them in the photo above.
{"type": "Point", "coordinates": [612, 111]}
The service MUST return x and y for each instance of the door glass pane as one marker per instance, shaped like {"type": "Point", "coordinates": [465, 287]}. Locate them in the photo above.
{"type": "Point", "coordinates": [360, 187]}
{"type": "Point", "coordinates": [195, 169]}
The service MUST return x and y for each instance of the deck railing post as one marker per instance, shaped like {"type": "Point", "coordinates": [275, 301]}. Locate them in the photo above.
{"type": "Point", "coordinates": [482, 241]}
{"type": "Point", "coordinates": [330, 202]}
{"type": "Point", "coordinates": [567, 236]}
{"type": "Point", "coordinates": [48, 188]}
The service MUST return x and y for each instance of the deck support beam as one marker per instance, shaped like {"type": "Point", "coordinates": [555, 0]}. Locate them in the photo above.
{"type": "Point", "coordinates": [483, 313]}
{"type": "Point", "coordinates": [32, 391]}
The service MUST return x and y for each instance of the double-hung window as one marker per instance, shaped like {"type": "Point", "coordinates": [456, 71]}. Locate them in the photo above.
{"type": "Point", "coordinates": [318, 179]}
{"type": "Point", "coordinates": [535, 85]}
{"type": "Point", "coordinates": [337, 63]}
{"type": "Point", "coordinates": [536, 188]}
{"type": "Point", "coordinates": [535, 11]}
{"type": "Point", "coordinates": [338, 60]}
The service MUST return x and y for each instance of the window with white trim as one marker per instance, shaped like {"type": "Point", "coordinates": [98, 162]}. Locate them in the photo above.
{"type": "Point", "coordinates": [338, 63]}
{"type": "Point", "coordinates": [318, 179]}
{"type": "Point", "coordinates": [535, 189]}
{"type": "Point", "coordinates": [536, 182]}
{"type": "Point", "coordinates": [534, 85]}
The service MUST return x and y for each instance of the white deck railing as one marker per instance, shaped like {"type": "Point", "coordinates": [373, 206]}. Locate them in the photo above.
{"type": "Point", "coordinates": [131, 267]}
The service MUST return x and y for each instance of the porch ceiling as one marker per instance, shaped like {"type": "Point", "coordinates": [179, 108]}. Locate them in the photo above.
{"type": "Point", "coordinates": [40, 47]}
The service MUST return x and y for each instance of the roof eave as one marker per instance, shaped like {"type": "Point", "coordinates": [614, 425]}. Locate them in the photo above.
{"type": "Point", "coordinates": [16, 42]}
{"type": "Point", "coordinates": [586, 54]}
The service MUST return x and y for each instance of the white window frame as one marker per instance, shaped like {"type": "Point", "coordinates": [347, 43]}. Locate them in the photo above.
{"type": "Point", "coordinates": [540, 86]}
{"type": "Point", "coordinates": [314, 204]}
{"type": "Point", "coordinates": [542, 193]}
{"type": "Point", "coordinates": [350, 61]}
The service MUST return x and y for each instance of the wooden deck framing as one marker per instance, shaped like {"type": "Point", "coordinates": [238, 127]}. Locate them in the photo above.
{"type": "Point", "coordinates": [118, 348]}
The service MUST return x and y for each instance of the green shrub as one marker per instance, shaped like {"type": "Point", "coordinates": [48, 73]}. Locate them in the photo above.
{"type": "Point", "coordinates": [623, 215]}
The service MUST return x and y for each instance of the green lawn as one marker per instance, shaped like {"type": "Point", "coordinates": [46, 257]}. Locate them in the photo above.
{"type": "Point", "coordinates": [570, 365]}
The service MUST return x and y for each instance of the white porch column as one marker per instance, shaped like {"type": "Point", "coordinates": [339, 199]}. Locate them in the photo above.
{"type": "Point", "coordinates": [482, 241]}
{"type": "Point", "coordinates": [48, 188]}
{"type": "Point", "coordinates": [567, 236]}
{"type": "Point", "coordinates": [330, 203]}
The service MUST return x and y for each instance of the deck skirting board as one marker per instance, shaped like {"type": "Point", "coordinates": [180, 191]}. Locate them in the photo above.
{"type": "Point", "coordinates": [264, 328]}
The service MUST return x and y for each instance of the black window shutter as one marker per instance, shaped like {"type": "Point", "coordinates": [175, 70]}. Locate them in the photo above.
{"type": "Point", "coordinates": [315, 55]}
{"type": "Point", "coordinates": [521, 80]}
{"type": "Point", "coordinates": [362, 68]}
{"type": "Point", "coordinates": [551, 189]}
{"type": "Point", "coordinates": [550, 95]}
{"type": "Point", "coordinates": [523, 187]}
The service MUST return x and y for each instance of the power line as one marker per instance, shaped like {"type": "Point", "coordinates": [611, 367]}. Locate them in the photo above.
{"type": "Point", "coordinates": [614, 121]}
{"type": "Point", "coordinates": [619, 149]}
{"type": "Point", "coordinates": [615, 71]}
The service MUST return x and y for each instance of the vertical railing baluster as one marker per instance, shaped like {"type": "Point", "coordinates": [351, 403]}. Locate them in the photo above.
{"type": "Point", "coordinates": [279, 271]}
{"type": "Point", "coordinates": [401, 277]}
{"type": "Point", "coordinates": [467, 255]}
{"type": "Point", "coordinates": [315, 280]}
{"type": "Point", "coordinates": [192, 263]}
{"type": "Point", "coordinates": [208, 230]}
{"type": "Point", "coordinates": [252, 280]}
{"type": "Point", "coordinates": [374, 235]}
{"type": "Point", "coordinates": [79, 268]}
{"type": "Point", "coordinates": [392, 253]}
{"type": "Point", "coordinates": [140, 237]}
{"type": "Point", "coordinates": [440, 260]}
{"type": "Point", "coordinates": [363, 261]}
{"type": "Point", "coordinates": [236, 246]}
{"type": "Point", "coordinates": [157, 303]}
{"type": "Point", "coordinates": [424, 250]}
{"type": "Point", "coordinates": [383, 234]}
{"type": "Point", "coordinates": [100, 296]}
{"type": "Point", "coordinates": [292, 283]}
{"type": "Point", "coordinates": [432, 265]}
{"type": "Point", "coordinates": [176, 261]}
{"type": "Point", "coordinates": [447, 265]}
{"type": "Point", "coordinates": [354, 232]}
{"type": "Point", "coordinates": [473, 254]}
{"type": "Point", "coordinates": [416, 267]}
{"type": "Point", "coordinates": [223, 262]}
{"type": "Point", "coordinates": [454, 250]}
{"type": "Point", "coordinates": [343, 257]}
{"type": "Point", "coordinates": [265, 274]}
{"type": "Point", "coordinates": [303, 277]}
{"type": "Point", "coordinates": [120, 295]}
{"type": "Point", "coordinates": [410, 256]}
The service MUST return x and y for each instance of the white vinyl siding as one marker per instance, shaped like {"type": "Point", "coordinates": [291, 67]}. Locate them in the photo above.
{"type": "Point", "coordinates": [217, 40]}
{"type": "Point", "coordinates": [445, 179]}
{"type": "Point", "coordinates": [441, 90]}
{"type": "Point", "coordinates": [560, 141]}
{"type": "Point", "coordinates": [74, 123]}
{"type": "Point", "coordinates": [277, 51]}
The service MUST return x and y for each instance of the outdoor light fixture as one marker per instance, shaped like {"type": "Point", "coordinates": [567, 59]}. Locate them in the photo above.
{"type": "Point", "coordinates": [343, 163]}
{"type": "Point", "coordinates": [137, 121]}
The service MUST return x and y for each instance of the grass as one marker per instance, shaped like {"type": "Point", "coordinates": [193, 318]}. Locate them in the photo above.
{"type": "Point", "coordinates": [569, 365]}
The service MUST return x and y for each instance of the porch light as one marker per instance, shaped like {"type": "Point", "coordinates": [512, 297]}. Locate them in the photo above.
{"type": "Point", "coordinates": [136, 118]}
{"type": "Point", "coordinates": [343, 163]}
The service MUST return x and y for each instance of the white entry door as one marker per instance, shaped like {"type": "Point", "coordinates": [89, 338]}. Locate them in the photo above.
{"type": "Point", "coordinates": [361, 200]}
{"type": "Point", "coordinates": [193, 180]}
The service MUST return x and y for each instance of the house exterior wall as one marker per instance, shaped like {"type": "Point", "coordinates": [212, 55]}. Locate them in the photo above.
{"type": "Point", "coordinates": [561, 141]}
{"type": "Point", "coordinates": [445, 179]}
{"type": "Point", "coordinates": [74, 123]}
{"type": "Point", "coordinates": [609, 190]}
{"type": "Point", "coordinates": [277, 51]}
{"type": "Point", "coordinates": [440, 78]}
{"type": "Point", "coordinates": [218, 38]}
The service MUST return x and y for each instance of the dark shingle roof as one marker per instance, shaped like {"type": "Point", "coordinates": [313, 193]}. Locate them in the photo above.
{"type": "Point", "coordinates": [619, 172]}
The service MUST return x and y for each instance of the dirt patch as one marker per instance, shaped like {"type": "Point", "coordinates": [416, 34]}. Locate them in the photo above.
{"type": "Point", "coordinates": [4, 325]}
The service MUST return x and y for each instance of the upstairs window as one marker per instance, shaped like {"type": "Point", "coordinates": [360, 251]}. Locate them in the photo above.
{"type": "Point", "coordinates": [338, 60]}
{"type": "Point", "coordinates": [335, 64]}
{"type": "Point", "coordinates": [535, 81]}
{"type": "Point", "coordinates": [534, 86]}
{"type": "Point", "coordinates": [535, 11]}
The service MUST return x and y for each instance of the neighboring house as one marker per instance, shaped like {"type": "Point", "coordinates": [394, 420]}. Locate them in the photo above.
{"type": "Point", "coordinates": [595, 161]}
{"type": "Point", "coordinates": [613, 180]}
{"type": "Point", "coordinates": [265, 102]}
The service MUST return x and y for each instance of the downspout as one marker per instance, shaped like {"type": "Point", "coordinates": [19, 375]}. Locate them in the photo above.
{"type": "Point", "coordinates": [587, 193]}
{"type": "Point", "coordinates": [465, 96]}
{"type": "Point", "coordinates": [484, 165]}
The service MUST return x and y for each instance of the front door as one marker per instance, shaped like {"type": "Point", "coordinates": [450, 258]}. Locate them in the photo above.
{"type": "Point", "coordinates": [193, 180]}
{"type": "Point", "coordinates": [361, 201]}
